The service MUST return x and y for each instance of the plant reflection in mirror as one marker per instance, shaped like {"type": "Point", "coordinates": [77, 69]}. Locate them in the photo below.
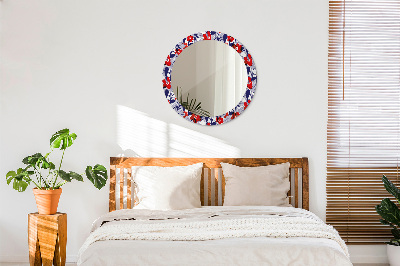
{"type": "Point", "coordinates": [190, 104]}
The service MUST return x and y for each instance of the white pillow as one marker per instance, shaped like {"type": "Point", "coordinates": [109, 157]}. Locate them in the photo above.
{"type": "Point", "coordinates": [168, 188]}
{"type": "Point", "coordinates": [263, 185]}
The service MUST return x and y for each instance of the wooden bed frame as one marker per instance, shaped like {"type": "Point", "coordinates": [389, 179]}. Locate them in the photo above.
{"type": "Point", "coordinates": [212, 188]}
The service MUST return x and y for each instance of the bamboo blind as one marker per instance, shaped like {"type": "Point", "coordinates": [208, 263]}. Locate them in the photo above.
{"type": "Point", "coordinates": [363, 114]}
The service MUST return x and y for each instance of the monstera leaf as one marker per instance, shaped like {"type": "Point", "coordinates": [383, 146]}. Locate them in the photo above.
{"type": "Point", "coordinates": [39, 161]}
{"type": "Point", "coordinates": [391, 188]}
{"type": "Point", "coordinates": [62, 139]}
{"type": "Point", "coordinates": [396, 233]}
{"type": "Point", "coordinates": [20, 179]}
{"type": "Point", "coordinates": [97, 175]}
{"type": "Point", "coordinates": [389, 212]}
{"type": "Point", "coordinates": [69, 176]}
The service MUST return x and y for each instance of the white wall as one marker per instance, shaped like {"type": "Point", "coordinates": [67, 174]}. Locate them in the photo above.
{"type": "Point", "coordinates": [95, 67]}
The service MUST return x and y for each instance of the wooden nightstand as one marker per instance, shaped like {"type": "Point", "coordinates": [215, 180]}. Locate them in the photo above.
{"type": "Point", "coordinates": [47, 238]}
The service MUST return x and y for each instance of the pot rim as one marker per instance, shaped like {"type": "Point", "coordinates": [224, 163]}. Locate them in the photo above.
{"type": "Point", "coordinates": [45, 191]}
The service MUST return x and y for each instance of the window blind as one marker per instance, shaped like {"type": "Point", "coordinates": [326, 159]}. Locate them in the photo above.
{"type": "Point", "coordinates": [363, 133]}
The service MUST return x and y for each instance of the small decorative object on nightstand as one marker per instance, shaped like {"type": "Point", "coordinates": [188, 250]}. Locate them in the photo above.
{"type": "Point", "coordinates": [47, 238]}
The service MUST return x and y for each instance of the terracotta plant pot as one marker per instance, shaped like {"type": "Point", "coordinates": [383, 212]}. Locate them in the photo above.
{"type": "Point", "coordinates": [47, 200]}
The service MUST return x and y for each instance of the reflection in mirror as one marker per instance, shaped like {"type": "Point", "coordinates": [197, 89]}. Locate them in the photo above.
{"type": "Point", "coordinates": [209, 78]}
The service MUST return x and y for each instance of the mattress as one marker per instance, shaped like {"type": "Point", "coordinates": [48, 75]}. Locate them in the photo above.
{"type": "Point", "coordinates": [215, 236]}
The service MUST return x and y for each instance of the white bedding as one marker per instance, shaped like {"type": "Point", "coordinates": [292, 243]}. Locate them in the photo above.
{"type": "Point", "coordinates": [213, 236]}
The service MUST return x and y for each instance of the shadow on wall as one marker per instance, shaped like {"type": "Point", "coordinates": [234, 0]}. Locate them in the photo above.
{"type": "Point", "coordinates": [139, 135]}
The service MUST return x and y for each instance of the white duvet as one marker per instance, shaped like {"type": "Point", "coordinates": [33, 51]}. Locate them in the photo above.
{"type": "Point", "coordinates": [213, 236]}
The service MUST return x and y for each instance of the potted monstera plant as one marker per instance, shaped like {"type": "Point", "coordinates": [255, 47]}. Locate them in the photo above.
{"type": "Point", "coordinates": [390, 214]}
{"type": "Point", "coordinates": [47, 178]}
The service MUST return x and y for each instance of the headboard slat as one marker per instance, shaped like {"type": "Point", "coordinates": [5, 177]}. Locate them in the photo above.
{"type": "Point", "coordinates": [205, 195]}
{"type": "Point", "coordinates": [202, 184]}
{"type": "Point", "coordinates": [129, 192]}
{"type": "Point", "coordinates": [121, 188]}
{"type": "Point", "coordinates": [209, 187]}
{"type": "Point", "coordinates": [304, 184]}
{"type": "Point", "coordinates": [111, 205]}
{"type": "Point", "coordinates": [212, 186]}
{"type": "Point", "coordinates": [296, 186]}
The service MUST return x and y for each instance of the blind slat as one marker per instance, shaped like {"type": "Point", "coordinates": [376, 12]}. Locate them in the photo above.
{"type": "Point", "coordinates": [363, 131]}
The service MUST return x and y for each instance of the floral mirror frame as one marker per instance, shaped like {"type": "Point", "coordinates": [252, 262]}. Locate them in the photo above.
{"type": "Point", "coordinates": [251, 76]}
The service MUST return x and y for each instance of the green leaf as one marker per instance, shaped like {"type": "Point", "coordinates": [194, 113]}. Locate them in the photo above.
{"type": "Point", "coordinates": [38, 161]}
{"type": "Point", "coordinates": [391, 188]}
{"type": "Point", "coordinates": [389, 211]}
{"type": "Point", "coordinates": [385, 222]}
{"type": "Point", "coordinates": [45, 165]}
{"type": "Point", "coordinates": [20, 179]}
{"type": "Point", "coordinates": [97, 175]}
{"type": "Point", "coordinates": [10, 176]}
{"type": "Point", "coordinates": [394, 242]}
{"type": "Point", "coordinates": [32, 159]}
{"type": "Point", "coordinates": [62, 139]}
{"type": "Point", "coordinates": [396, 233]}
{"type": "Point", "coordinates": [76, 176]}
{"type": "Point", "coordinates": [69, 176]}
{"type": "Point", "coordinates": [64, 175]}
{"type": "Point", "coordinates": [20, 185]}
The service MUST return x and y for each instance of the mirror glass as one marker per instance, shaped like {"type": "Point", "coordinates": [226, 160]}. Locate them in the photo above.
{"type": "Point", "coordinates": [209, 78]}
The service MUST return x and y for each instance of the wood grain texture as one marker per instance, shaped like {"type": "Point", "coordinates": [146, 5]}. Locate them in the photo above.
{"type": "Point", "coordinates": [47, 238]}
{"type": "Point", "coordinates": [211, 177]}
{"type": "Point", "coordinates": [290, 187]}
{"type": "Point", "coordinates": [61, 244]}
{"type": "Point", "coordinates": [202, 187]}
{"type": "Point", "coordinates": [129, 189]}
{"type": "Point", "coordinates": [296, 186]}
{"type": "Point", "coordinates": [223, 187]}
{"type": "Point", "coordinates": [216, 176]}
{"type": "Point", "coordinates": [209, 187]}
{"type": "Point", "coordinates": [121, 188]}
{"type": "Point", "coordinates": [126, 162]}
{"type": "Point", "coordinates": [305, 184]}
{"type": "Point", "coordinates": [111, 200]}
{"type": "Point", "coordinates": [33, 242]}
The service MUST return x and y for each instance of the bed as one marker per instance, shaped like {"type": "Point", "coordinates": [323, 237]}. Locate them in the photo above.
{"type": "Point", "coordinates": [213, 234]}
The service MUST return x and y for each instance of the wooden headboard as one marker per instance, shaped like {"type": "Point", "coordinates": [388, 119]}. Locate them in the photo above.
{"type": "Point", "coordinates": [212, 188]}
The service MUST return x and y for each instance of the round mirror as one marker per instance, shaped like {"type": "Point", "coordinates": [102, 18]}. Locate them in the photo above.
{"type": "Point", "coordinates": [209, 78]}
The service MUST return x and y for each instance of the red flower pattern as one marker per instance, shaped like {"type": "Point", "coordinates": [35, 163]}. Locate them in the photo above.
{"type": "Point", "coordinates": [238, 48]}
{"type": "Point", "coordinates": [168, 61]}
{"type": "Point", "coordinates": [249, 83]}
{"type": "Point", "coordinates": [195, 118]}
{"type": "Point", "coordinates": [207, 36]}
{"type": "Point", "coordinates": [167, 83]}
{"type": "Point", "coordinates": [235, 114]}
{"type": "Point", "coordinates": [248, 60]}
